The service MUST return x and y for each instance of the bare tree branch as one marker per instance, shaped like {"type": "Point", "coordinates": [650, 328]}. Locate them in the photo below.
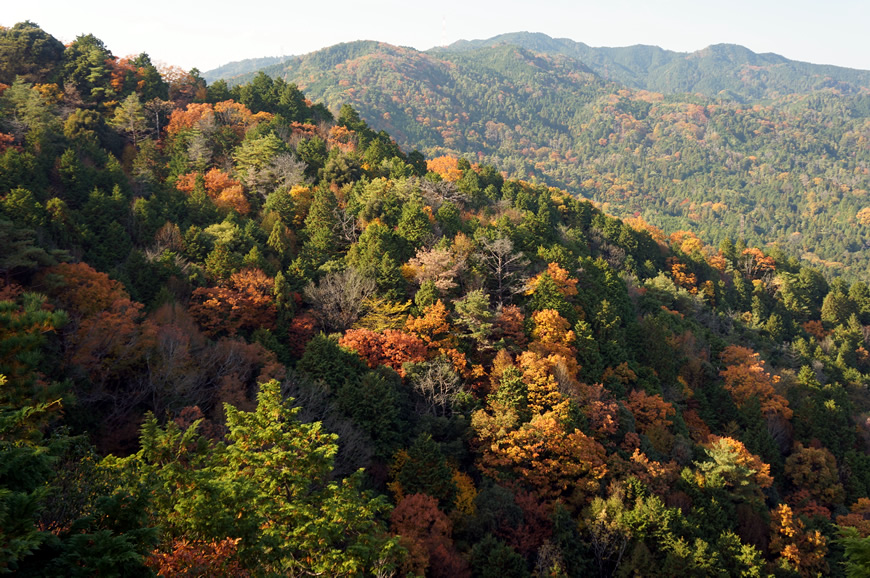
{"type": "Point", "coordinates": [505, 268]}
{"type": "Point", "coordinates": [339, 299]}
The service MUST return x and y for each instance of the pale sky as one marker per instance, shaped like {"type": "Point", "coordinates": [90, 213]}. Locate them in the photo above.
{"type": "Point", "coordinates": [206, 35]}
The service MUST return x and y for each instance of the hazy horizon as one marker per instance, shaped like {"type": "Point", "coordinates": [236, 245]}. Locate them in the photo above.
{"type": "Point", "coordinates": [698, 49]}
{"type": "Point", "coordinates": [190, 36]}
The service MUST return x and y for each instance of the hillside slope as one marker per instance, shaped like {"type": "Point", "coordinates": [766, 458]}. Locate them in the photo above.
{"type": "Point", "coordinates": [240, 336]}
{"type": "Point", "coordinates": [791, 170]}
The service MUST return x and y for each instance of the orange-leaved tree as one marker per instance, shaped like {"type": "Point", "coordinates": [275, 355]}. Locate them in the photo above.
{"type": "Point", "coordinates": [425, 531]}
{"type": "Point", "coordinates": [552, 335]}
{"type": "Point", "coordinates": [109, 336]}
{"type": "Point", "coordinates": [226, 192]}
{"type": "Point", "coordinates": [553, 340]}
{"type": "Point", "coordinates": [245, 302]}
{"type": "Point", "coordinates": [509, 326]}
{"type": "Point", "coordinates": [389, 347]}
{"type": "Point", "coordinates": [755, 264]}
{"type": "Point", "coordinates": [196, 558]}
{"type": "Point", "coordinates": [565, 284]}
{"type": "Point", "coordinates": [858, 517]}
{"type": "Point", "coordinates": [86, 291]}
{"type": "Point", "coordinates": [433, 327]}
{"type": "Point", "coordinates": [650, 411]}
{"type": "Point", "coordinates": [686, 242]}
{"type": "Point", "coordinates": [798, 549]}
{"type": "Point", "coordinates": [447, 167]}
{"type": "Point", "coordinates": [682, 276]}
{"type": "Point", "coordinates": [652, 416]}
{"type": "Point", "coordinates": [189, 117]}
{"type": "Point", "coordinates": [111, 343]}
{"type": "Point", "coordinates": [542, 378]}
{"type": "Point", "coordinates": [545, 458]}
{"type": "Point", "coordinates": [745, 377]}
{"type": "Point", "coordinates": [601, 410]}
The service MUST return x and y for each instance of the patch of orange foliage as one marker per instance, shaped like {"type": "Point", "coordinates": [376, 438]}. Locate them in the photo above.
{"type": "Point", "coordinates": [447, 167]}
{"type": "Point", "coordinates": [745, 376]}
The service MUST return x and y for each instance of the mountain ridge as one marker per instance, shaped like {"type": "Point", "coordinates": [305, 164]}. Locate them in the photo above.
{"type": "Point", "coordinates": [642, 66]}
{"type": "Point", "coordinates": [715, 70]}
{"type": "Point", "coordinates": [236, 67]}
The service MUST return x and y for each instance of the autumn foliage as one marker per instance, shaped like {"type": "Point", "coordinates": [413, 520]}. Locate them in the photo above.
{"type": "Point", "coordinates": [858, 517]}
{"type": "Point", "coordinates": [565, 284]}
{"type": "Point", "coordinates": [798, 549]}
{"type": "Point", "coordinates": [445, 166]}
{"type": "Point", "coordinates": [190, 558]}
{"type": "Point", "coordinates": [241, 334]}
{"type": "Point", "coordinates": [546, 459]}
{"type": "Point", "coordinates": [234, 115]}
{"type": "Point", "coordinates": [815, 471]}
{"type": "Point", "coordinates": [509, 325]}
{"type": "Point", "coordinates": [226, 192]}
{"type": "Point", "coordinates": [110, 337]}
{"type": "Point", "coordinates": [650, 411]}
{"type": "Point", "coordinates": [745, 376]}
{"type": "Point", "coordinates": [433, 327]}
{"type": "Point", "coordinates": [86, 291]}
{"type": "Point", "coordinates": [426, 531]}
{"type": "Point", "coordinates": [244, 303]}
{"type": "Point", "coordinates": [389, 347]}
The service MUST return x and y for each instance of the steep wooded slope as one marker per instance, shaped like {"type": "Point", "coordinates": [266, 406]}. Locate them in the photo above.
{"type": "Point", "coordinates": [791, 170]}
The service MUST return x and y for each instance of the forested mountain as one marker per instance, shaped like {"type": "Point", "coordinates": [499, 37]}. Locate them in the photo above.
{"type": "Point", "coordinates": [791, 171]}
{"type": "Point", "coordinates": [721, 70]}
{"type": "Point", "coordinates": [241, 67]}
{"type": "Point", "coordinates": [243, 336]}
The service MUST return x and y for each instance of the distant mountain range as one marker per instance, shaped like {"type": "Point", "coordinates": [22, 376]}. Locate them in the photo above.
{"type": "Point", "coordinates": [721, 70]}
{"type": "Point", "coordinates": [724, 70]}
{"type": "Point", "coordinates": [241, 67]}
{"type": "Point", "coordinates": [722, 141]}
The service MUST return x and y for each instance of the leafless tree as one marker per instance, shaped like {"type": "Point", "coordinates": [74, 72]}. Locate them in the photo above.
{"type": "Point", "coordinates": [505, 267]}
{"type": "Point", "coordinates": [285, 170]}
{"type": "Point", "coordinates": [346, 224]}
{"type": "Point", "coordinates": [71, 102]}
{"type": "Point", "coordinates": [613, 254]}
{"type": "Point", "coordinates": [441, 266]}
{"type": "Point", "coordinates": [168, 237]}
{"type": "Point", "coordinates": [159, 110]}
{"type": "Point", "coordinates": [437, 384]}
{"type": "Point", "coordinates": [437, 193]}
{"type": "Point", "coordinates": [339, 299]}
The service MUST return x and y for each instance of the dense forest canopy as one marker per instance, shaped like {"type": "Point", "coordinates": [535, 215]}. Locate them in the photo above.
{"type": "Point", "coordinates": [243, 335]}
{"type": "Point", "coordinates": [724, 142]}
